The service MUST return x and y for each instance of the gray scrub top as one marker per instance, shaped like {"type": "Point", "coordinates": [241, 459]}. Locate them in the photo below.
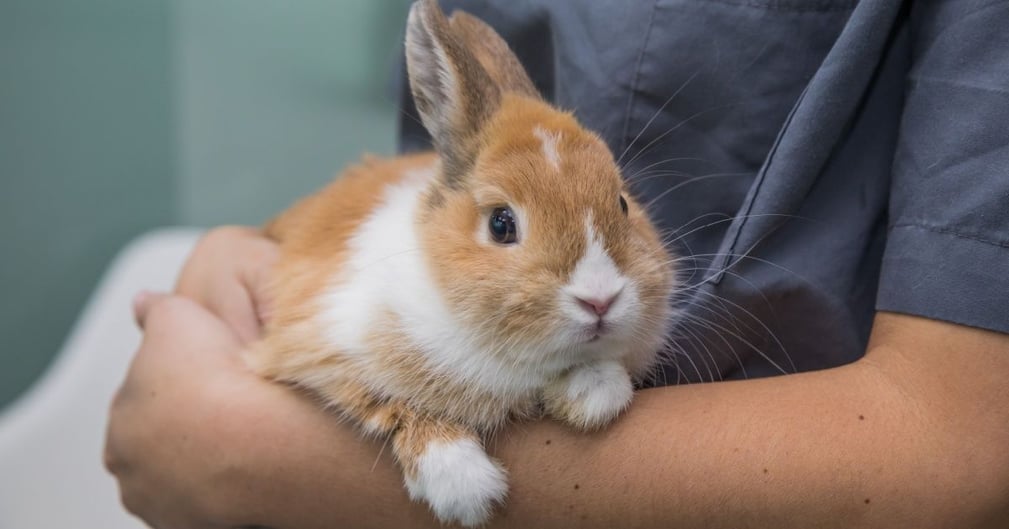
{"type": "Point", "coordinates": [812, 161]}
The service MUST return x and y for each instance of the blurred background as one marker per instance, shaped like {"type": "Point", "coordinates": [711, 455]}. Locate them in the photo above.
{"type": "Point", "coordinates": [121, 116]}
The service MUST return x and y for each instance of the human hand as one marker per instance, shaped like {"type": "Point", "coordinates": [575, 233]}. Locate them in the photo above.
{"type": "Point", "coordinates": [228, 274]}
{"type": "Point", "coordinates": [197, 441]}
{"type": "Point", "coordinates": [166, 441]}
{"type": "Point", "coordinates": [163, 442]}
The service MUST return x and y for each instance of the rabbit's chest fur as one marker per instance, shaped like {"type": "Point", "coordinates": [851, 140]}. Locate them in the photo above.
{"type": "Point", "coordinates": [384, 312]}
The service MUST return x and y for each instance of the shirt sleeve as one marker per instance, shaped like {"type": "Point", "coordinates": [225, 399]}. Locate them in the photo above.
{"type": "Point", "coordinates": [947, 252]}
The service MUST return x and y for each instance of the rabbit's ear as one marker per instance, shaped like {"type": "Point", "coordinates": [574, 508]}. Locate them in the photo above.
{"type": "Point", "coordinates": [454, 94]}
{"type": "Point", "coordinates": [493, 53]}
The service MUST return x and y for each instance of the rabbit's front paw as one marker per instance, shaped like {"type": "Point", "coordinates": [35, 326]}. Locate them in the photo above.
{"type": "Point", "coordinates": [459, 481]}
{"type": "Point", "coordinates": [590, 396]}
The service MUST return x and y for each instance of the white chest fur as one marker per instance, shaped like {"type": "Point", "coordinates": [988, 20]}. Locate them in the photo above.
{"type": "Point", "coordinates": [387, 272]}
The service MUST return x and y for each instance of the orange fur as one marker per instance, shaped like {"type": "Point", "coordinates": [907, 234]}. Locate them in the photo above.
{"type": "Point", "coordinates": [511, 170]}
{"type": "Point", "coordinates": [314, 232]}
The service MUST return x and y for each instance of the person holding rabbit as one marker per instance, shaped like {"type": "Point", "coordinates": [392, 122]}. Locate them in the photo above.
{"type": "Point", "coordinates": [828, 179]}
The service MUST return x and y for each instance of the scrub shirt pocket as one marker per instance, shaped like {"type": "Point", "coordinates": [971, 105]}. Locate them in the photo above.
{"type": "Point", "coordinates": [714, 82]}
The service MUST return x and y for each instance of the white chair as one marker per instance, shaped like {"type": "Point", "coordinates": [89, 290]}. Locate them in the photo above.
{"type": "Point", "coordinates": [51, 473]}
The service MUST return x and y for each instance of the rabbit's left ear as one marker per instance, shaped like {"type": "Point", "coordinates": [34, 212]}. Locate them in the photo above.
{"type": "Point", "coordinates": [453, 92]}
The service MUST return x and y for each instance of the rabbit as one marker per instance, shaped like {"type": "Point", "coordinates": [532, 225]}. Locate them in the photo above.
{"type": "Point", "coordinates": [432, 298]}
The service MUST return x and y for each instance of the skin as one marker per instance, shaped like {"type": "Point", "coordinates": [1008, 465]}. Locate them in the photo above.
{"type": "Point", "coordinates": [912, 435]}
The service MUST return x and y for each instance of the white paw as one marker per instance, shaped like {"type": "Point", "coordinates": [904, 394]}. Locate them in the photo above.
{"type": "Point", "coordinates": [591, 396]}
{"type": "Point", "coordinates": [459, 481]}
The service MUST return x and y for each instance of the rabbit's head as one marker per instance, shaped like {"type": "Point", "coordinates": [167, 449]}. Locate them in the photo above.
{"type": "Point", "coordinates": [529, 229]}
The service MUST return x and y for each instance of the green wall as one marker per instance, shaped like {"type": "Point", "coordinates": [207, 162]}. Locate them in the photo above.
{"type": "Point", "coordinates": [275, 96]}
{"type": "Point", "coordinates": [118, 116]}
{"type": "Point", "coordinates": [86, 159]}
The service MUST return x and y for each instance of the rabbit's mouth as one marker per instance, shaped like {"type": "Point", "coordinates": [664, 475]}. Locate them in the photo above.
{"type": "Point", "coordinates": [595, 331]}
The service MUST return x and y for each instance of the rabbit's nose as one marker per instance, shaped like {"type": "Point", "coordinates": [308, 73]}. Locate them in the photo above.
{"type": "Point", "coordinates": [597, 305]}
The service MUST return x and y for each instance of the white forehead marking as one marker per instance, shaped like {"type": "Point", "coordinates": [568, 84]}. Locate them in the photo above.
{"type": "Point", "coordinates": [549, 141]}
{"type": "Point", "coordinates": [596, 275]}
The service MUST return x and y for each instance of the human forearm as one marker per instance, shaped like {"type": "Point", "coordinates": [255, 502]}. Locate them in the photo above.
{"type": "Point", "coordinates": [918, 428]}
{"type": "Point", "coordinates": [848, 447]}
{"type": "Point", "coordinates": [772, 453]}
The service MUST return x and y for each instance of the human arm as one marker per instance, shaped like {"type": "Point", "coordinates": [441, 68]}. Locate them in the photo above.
{"type": "Point", "coordinates": [928, 451]}
{"type": "Point", "coordinates": [222, 446]}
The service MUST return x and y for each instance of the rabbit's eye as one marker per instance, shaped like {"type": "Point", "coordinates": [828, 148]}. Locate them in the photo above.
{"type": "Point", "coordinates": [623, 205]}
{"type": "Point", "coordinates": [502, 226]}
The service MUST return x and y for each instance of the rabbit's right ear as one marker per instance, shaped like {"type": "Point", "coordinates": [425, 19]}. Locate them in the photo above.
{"type": "Point", "coordinates": [453, 92]}
{"type": "Point", "coordinates": [493, 53]}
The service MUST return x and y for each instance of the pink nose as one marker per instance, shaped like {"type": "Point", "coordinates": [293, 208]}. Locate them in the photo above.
{"type": "Point", "coordinates": [597, 306]}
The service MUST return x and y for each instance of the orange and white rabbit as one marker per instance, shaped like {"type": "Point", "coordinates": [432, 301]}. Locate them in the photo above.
{"type": "Point", "coordinates": [432, 298]}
